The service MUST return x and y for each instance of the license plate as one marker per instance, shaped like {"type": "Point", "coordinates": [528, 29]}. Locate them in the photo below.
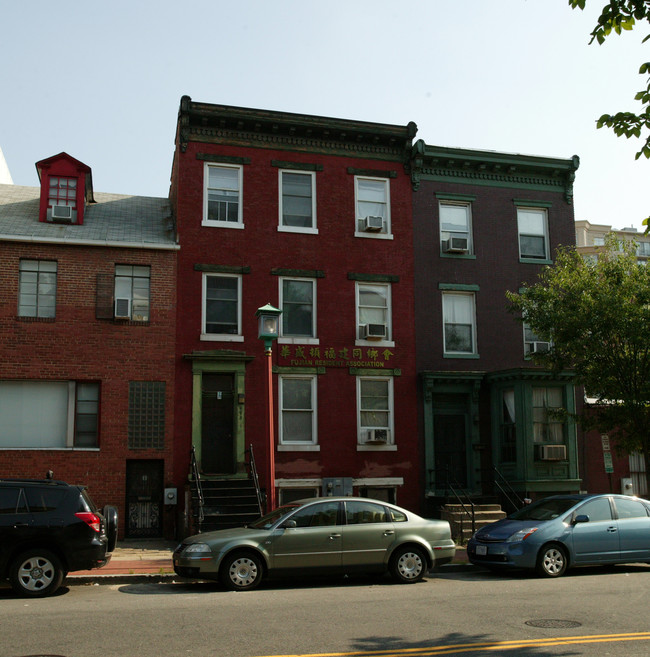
{"type": "Point", "coordinates": [481, 550]}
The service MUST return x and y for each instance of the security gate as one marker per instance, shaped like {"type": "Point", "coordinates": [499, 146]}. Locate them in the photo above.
{"type": "Point", "coordinates": [144, 498]}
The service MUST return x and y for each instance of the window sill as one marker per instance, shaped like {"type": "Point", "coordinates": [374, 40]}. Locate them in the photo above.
{"type": "Point", "coordinates": [374, 343]}
{"type": "Point", "coordinates": [458, 256]}
{"type": "Point", "coordinates": [209, 337]}
{"type": "Point", "coordinates": [535, 261]}
{"type": "Point", "coordinates": [376, 448]}
{"type": "Point", "coordinates": [374, 236]}
{"type": "Point", "coordinates": [298, 341]}
{"type": "Point", "coordinates": [222, 224]}
{"type": "Point", "coordinates": [50, 449]}
{"type": "Point", "coordinates": [462, 356]}
{"type": "Point", "coordinates": [28, 319]}
{"type": "Point", "coordinates": [295, 229]}
{"type": "Point", "coordinates": [298, 448]}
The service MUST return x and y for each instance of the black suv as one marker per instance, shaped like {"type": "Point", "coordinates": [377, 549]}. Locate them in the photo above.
{"type": "Point", "coordinates": [47, 529]}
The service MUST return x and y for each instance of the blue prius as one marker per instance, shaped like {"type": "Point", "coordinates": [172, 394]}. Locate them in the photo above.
{"type": "Point", "coordinates": [562, 531]}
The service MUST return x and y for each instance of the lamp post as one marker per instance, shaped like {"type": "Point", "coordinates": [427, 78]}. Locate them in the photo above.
{"type": "Point", "coordinates": [268, 330]}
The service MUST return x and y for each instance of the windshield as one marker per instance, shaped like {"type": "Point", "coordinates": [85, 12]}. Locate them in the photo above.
{"type": "Point", "coordinates": [544, 509]}
{"type": "Point", "coordinates": [267, 521]}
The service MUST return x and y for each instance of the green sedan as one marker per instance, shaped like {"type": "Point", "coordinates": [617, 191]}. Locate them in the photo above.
{"type": "Point", "coordinates": [343, 535]}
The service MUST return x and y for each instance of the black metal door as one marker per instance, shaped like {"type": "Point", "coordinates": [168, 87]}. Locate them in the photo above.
{"type": "Point", "coordinates": [217, 424]}
{"type": "Point", "coordinates": [144, 498]}
{"type": "Point", "coordinates": [450, 444]}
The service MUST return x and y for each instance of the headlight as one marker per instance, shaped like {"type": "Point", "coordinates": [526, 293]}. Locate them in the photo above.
{"type": "Point", "coordinates": [197, 550]}
{"type": "Point", "coordinates": [521, 535]}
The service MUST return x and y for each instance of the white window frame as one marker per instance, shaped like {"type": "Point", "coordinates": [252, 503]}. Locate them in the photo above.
{"type": "Point", "coordinates": [293, 445]}
{"type": "Point", "coordinates": [543, 213]}
{"type": "Point", "coordinates": [362, 429]}
{"type": "Point", "coordinates": [221, 337]}
{"type": "Point", "coordinates": [448, 234]}
{"type": "Point", "coordinates": [58, 431]}
{"type": "Point", "coordinates": [298, 339]}
{"type": "Point", "coordinates": [388, 313]}
{"type": "Point", "coordinates": [529, 342]}
{"type": "Point", "coordinates": [125, 279]}
{"type": "Point", "coordinates": [313, 229]}
{"type": "Point", "coordinates": [240, 182]}
{"type": "Point", "coordinates": [386, 231]}
{"type": "Point", "coordinates": [472, 297]}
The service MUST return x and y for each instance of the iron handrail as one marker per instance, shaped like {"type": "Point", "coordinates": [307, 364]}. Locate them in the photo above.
{"type": "Point", "coordinates": [194, 473]}
{"type": "Point", "coordinates": [253, 475]}
{"type": "Point", "coordinates": [507, 490]}
{"type": "Point", "coordinates": [451, 487]}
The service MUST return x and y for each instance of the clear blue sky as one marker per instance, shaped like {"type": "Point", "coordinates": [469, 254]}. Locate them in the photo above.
{"type": "Point", "coordinates": [103, 82]}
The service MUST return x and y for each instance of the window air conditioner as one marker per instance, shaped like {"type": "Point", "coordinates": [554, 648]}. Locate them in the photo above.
{"type": "Point", "coordinates": [123, 308]}
{"type": "Point", "coordinates": [373, 223]}
{"type": "Point", "coordinates": [456, 245]}
{"type": "Point", "coordinates": [377, 436]}
{"type": "Point", "coordinates": [539, 347]}
{"type": "Point", "coordinates": [373, 331]}
{"type": "Point", "coordinates": [553, 452]}
{"type": "Point", "coordinates": [62, 212]}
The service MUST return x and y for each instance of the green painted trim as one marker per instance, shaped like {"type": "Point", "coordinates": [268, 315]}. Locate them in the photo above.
{"type": "Point", "coordinates": [366, 371]}
{"type": "Point", "coordinates": [462, 356]}
{"type": "Point", "coordinates": [535, 261]}
{"type": "Point", "coordinates": [375, 173]}
{"type": "Point", "coordinates": [298, 166]}
{"type": "Point", "coordinates": [531, 204]}
{"type": "Point", "coordinates": [222, 269]}
{"type": "Point", "coordinates": [278, 369]}
{"type": "Point", "coordinates": [459, 287]}
{"type": "Point", "coordinates": [222, 159]}
{"type": "Point", "coordinates": [305, 273]}
{"type": "Point", "coordinates": [373, 278]}
{"type": "Point", "coordinates": [445, 196]}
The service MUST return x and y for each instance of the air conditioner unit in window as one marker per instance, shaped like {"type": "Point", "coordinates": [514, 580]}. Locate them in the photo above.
{"type": "Point", "coordinates": [372, 223]}
{"type": "Point", "coordinates": [456, 245]}
{"type": "Point", "coordinates": [373, 331]}
{"type": "Point", "coordinates": [123, 308]}
{"type": "Point", "coordinates": [377, 436]}
{"type": "Point", "coordinates": [552, 452]}
{"type": "Point", "coordinates": [62, 212]}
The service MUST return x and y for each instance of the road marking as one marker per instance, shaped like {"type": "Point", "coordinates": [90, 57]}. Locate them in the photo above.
{"type": "Point", "coordinates": [478, 647]}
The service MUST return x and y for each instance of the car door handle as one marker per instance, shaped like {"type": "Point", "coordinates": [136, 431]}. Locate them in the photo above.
{"type": "Point", "coordinates": [21, 524]}
{"type": "Point", "coordinates": [334, 536]}
{"type": "Point", "coordinates": [611, 530]}
{"type": "Point", "coordinates": [389, 532]}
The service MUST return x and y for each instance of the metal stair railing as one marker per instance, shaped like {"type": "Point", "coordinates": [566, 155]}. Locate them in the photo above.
{"type": "Point", "coordinates": [454, 488]}
{"type": "Point", "coordinates": [253, 475]}
{"type": "Point", "coordinates": [196, 477]}
{"type": "Point", "coordinates": [507, 491]}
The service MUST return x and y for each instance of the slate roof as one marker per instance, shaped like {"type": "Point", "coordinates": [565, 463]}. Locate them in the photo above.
{"type": "Point", "coordinates": [113, 220]}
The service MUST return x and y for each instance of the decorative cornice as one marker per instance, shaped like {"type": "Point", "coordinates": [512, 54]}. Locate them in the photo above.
{"type": "Point", "coordinates": [492, 169]}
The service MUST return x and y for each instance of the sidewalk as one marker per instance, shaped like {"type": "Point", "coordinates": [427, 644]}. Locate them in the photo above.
{"type": "Point", "coordinates": [151, 560]}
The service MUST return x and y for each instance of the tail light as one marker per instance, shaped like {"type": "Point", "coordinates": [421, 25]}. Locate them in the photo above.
{"type": "Point", "coordinates": [91, 519]}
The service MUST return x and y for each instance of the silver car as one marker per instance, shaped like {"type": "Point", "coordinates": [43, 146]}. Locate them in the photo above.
{"type": "Point", "coordinates": [343, 535]}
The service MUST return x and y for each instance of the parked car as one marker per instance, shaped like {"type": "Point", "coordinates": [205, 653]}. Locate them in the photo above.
{"type": "Point", "coordinates": [49, 528]}
{"type": "Point", "coordinates": [319, 536]}
{"type": "Point", "coordinates": [562, 531]}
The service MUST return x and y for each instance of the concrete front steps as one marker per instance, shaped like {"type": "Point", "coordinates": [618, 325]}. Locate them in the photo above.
{"type": "Point", "coordinates": [461, 522]}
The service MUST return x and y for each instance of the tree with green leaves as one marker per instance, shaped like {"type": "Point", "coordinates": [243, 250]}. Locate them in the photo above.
{"type": "Point", "coordinates": [596, 315]}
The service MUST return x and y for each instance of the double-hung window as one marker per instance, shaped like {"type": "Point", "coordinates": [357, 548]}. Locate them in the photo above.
{"type": "Point", "coordinates": [132, 283]}
{"type": "Point", "coordinates": [297, 201]}
{"type": "Point", "coordinates": [221, 307]}
{"type": "Point", "coordinates": [533, 233]}
{"type": "Point", "coordinates": [533, 344]}
{"type": "Point", "coordinates": [37, 288]}
{"type": "Point", "coordinates": [298, 405]}
{"type": "Point", "coordinates": [374, 312]}
{"type": "Point", "coordinates": [455, 228]}
{"type": "Point", "coordinates": [459, 323]}
{"type": "Point", "coordinates": [298, 304]}
{"type": "Point", "coordinates": [62, 199]}
{"type": "Point", "coordinates": [372, 206]}
{"type": "Point", "coordinates": [548, 425]}
{"type": "Point", "coordinates": [222, 195]}
{"type": "Point", "coordinates": [375, 410]}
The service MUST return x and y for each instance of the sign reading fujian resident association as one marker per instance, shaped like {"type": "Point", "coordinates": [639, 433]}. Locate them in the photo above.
{"type": "Point", "coordinates": [316, 356]}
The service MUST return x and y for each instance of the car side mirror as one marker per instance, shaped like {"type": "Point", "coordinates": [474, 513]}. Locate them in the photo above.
{"type": "Point", "coordinates": [581, 518]}
{"type": "Point", "coordinates": [289, 524]}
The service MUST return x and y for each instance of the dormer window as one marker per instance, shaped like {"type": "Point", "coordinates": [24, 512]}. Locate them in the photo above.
{"type": "Point", "coordinates": [62, 199]}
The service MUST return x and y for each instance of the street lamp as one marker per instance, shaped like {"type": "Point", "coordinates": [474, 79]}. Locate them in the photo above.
{"type": "Point", "coordinates": [268, 330]}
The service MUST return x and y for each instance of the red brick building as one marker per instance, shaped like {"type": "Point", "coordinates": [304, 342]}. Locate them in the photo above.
{"type": "Point", "coordinates": [312, 215]}
{"type": "Point", "coordinates": [486, 223]}
{"type": "Point", "coordinates": [87, 319]}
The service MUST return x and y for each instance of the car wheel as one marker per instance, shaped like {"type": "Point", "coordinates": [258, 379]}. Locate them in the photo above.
{"type": "Point", "coordinates": [242, 571]}
{"type": "Point", "coordinates": [110, 516]}
{"type": "Point", "coordinates": [408, 565]}
{"type": "Point", "coordinates": [36, 573]}
{"type": "Point", "coordinates": [552, 561]}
